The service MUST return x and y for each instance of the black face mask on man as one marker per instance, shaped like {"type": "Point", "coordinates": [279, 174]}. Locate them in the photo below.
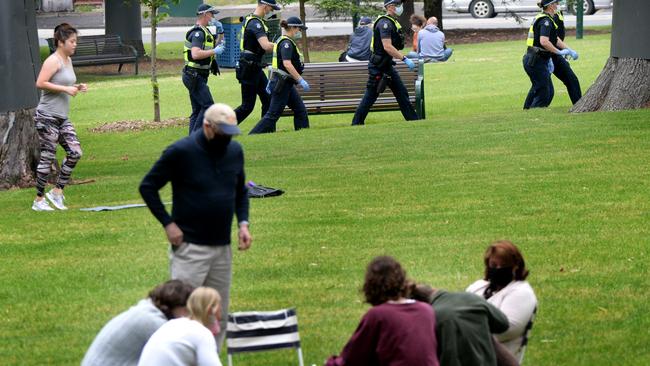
{"type": "Point", "coordinates": [219, 141]}
{"type": "Point", "coordinates": [500, 277]}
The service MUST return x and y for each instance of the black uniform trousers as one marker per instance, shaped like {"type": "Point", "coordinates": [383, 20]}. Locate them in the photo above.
{"type": "Point", "coordinates": [541, 92]}
{"type": "Point", "coordinates": [563, 72]}
{"type": "Point", "coordinates": [250, 90]}
{"type": "Point", "coordinates": [287, 96]}
{"type": "Point", "coordinates": [196, 83]}
{"type": "Point", "coordinates": [370, 97]}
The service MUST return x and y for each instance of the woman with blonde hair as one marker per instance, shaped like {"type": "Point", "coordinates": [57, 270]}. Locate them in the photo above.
{"type": "Point", "coordinates": [504, 285]}
{"type": "Point", "coordinates": [188, 341]}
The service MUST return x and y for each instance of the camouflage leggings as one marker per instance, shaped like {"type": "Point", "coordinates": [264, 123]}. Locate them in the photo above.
{"type": "Point", "coordinates": [53, 131]}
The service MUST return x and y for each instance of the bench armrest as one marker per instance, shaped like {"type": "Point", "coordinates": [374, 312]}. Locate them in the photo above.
{"type": "Point", "coordinates": [420, 100]}
{"type": "Point", "coordinates": [128, 49]}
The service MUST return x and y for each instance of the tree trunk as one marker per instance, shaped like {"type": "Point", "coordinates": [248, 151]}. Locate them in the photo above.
{"type": "Point", "coordinates": [154, 76]}
{"type": "Point", "coordinates": [305, 44]}
{"type": "Point", "coordinates": [433, 8]}
{"type": "Point", "coordinates": [404, 19]}
{"type": "Point", "coordinates": [624, 83]}
{"type": "Point", "coordinates": [19, 150]}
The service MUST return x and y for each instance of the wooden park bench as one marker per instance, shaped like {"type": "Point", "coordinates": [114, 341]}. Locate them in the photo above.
{"type": "Point", "coordinates": [105, 49]}
{"type": "Point", "coordinates": [337, 87]}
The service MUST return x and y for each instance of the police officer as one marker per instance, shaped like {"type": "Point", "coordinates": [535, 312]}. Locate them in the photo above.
{"type": "Point", "coordinates": [199, 52]}
{"type": "Point", "coordinates": [543, 43]}
{"type": "Point", "coordinates": [287, 68]}
{"type": "Point", "coordinates": [253, 45]}
{"type": "Point", "coordinates": [387, 41]}
{"type": "Point", "coordinates": [562, 70]}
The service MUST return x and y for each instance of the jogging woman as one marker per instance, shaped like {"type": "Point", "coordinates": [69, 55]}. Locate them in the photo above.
{"type": "Point", "coordinates": [57, 80]}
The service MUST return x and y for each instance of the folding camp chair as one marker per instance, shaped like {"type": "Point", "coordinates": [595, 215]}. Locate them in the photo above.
{"type": "Point", "coordinates": [260, 331]}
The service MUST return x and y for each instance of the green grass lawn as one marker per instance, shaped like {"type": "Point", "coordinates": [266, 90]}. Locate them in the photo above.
{"type": "Point", "coordinates": [570, 189]}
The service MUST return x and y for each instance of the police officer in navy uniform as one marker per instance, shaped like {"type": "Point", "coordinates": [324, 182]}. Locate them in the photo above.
{"type": "Point", "coordinates": [543, 43]}
{"type": "Point", "coordinates": [287, 68]}
{"type": "Point", "coordinates": [562, 69]}
{"type": "Point", "coordinates": [199, 53]}
{"type": "Point", "coordinates": [387, 41]}
{"type": "Point", "coordinates": [253, 45]}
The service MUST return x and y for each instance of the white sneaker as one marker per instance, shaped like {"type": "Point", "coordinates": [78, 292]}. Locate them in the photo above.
{"type": "Point", "coordinates": [56, 199]}
{"type": "Point", "coordinates": [41, 205]}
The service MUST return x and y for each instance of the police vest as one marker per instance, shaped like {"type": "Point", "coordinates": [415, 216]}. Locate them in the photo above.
{"type": "Point", "coordinates": [533, 31]}
{"type": "Point", "coordinates": [396, 36]}
{"type": "Point", "coordinates": [559, 20]}
{"type": "Point", "coordinates": [248, 40]}
{"type": "Point", "coordinates": [296, 56]}
{"type": "Point", "coordinates": [208, 44]}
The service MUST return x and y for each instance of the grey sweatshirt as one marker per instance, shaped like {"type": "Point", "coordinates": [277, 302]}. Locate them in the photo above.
{"type": "Point", "coordinates": [431, 43]}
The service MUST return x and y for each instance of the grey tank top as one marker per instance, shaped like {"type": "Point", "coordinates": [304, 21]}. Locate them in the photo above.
{"type": "Point", "coordinates": [58, 104]}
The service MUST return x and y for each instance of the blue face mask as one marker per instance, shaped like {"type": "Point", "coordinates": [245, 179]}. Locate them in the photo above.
{"type": "Point", "coordinates": [298, 35]}
{"type": "Point", "coordinates": [399, 10]}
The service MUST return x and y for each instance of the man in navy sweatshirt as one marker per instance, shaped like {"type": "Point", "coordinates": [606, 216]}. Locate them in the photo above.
{"type": "Point", "coordinates": [206, 170]}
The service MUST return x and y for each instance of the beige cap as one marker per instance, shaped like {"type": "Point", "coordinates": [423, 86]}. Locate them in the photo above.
{"type": "Point", "coordinates": [222, 118]}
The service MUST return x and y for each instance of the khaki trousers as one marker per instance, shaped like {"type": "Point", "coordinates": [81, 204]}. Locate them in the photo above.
{"type": "Point", "coordinates": [209, 266]}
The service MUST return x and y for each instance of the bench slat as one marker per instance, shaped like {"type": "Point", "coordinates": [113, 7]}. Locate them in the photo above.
{"type": "Point", "coordinates": [339, 88]}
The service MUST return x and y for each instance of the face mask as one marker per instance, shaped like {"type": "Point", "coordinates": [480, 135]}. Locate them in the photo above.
{"type": "Point", "coordinates": [269, 15]}
{"type": "Point", "coordinates": [399, 10]}
{"type": "Point", "coordinates": [500, 277]}
{"type": "Point", "coordinates": [298, 35]}
{"type": "Point", "coordinates": [219, 141]}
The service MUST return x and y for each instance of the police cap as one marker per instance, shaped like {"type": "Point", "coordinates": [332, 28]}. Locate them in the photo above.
{"type": "Point", "coordinates": [545, 3]}
{"type": "Point", "coordinates": [205, 8]}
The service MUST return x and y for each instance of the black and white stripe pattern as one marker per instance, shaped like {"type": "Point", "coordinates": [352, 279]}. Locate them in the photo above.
{"type": "Point", "coordinates": [256, 331]}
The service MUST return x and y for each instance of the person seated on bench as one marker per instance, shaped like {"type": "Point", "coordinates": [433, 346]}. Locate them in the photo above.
{"type": "Point", "coordinates": [188, 341]}
{"type": "Point", "coordinates": [431, 43]}
{"type": "Point", "coordinates": [396, 330]}
{"type": "Point", "coordinates": [287, 68]}
{"type": "Point", "coordinates": [388, 40]}
{"type": "Point", "coordinates": [121, 340]}
{"type": "Point", "coordinates": [359, 47]}
{"type": "Point", "coordinates": [417, 24]}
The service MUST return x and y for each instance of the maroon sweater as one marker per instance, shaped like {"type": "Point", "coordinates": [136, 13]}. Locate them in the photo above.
{"type": "Point", "coordinates": [392, 335]}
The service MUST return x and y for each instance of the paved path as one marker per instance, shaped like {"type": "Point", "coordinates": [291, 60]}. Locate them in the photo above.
{"type": "Point", "coordinates": [174, 29]}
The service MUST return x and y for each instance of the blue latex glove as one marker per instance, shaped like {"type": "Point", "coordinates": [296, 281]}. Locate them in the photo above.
{"type": "Point", "coordinates": [564, 52]}
{"type": "Point", "coordinates": [409, 63]}
{"type": "Point", "coordinates": [268, 87]}
{"type": "Point", "coordinates": [573, 54]}
{"type": "Point", "coordinates": [219, 49]}
{"type": "Point", "coordinates": [304, 84]}
{"type": "Point", "coordinates": [550, 66]}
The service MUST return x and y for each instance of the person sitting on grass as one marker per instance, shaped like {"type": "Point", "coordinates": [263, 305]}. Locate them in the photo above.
{"type": "Point", "coordinates": [121, 340]}
{"type": "Point", "coordinates": [504, 285]}
{"type": "Point", "coordinates": [431, 43]}
{"type": "Point", "coordinates": [417, 24]}
{"type": "Point", "coordinates": [188, 341]}
{"type": "Point", "coordinates": [464, 326]}
{"type": "Point", "coordinates": [396, 330]}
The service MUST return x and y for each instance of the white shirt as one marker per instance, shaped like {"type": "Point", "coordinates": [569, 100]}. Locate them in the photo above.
{"type": "Point", "coordinates": [518, 302]}
{"type": "Point", "coordinates": [181, 342]}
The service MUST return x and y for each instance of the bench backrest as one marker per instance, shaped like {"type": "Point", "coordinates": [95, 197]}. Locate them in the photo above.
{"type": "Point", "coordinates": [104, 44]}
{"type": "Point", "coordinates": [339, 86]}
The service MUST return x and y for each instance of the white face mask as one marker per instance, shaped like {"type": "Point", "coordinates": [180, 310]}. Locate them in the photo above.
{"type": "Point", "coordinates": [399, 10]}
{"type": "Point", "coordinates": [298, 35]}
{"type": "Point", "coordinates": [269, 15]}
